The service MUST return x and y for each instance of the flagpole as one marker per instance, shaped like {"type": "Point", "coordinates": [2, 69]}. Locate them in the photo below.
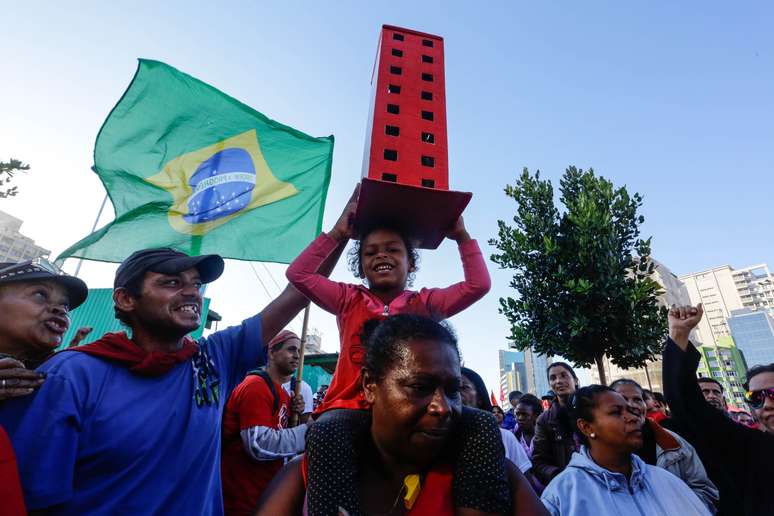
{"type": "Point", "coordinates": [300, 371]}
{"type": "Point", "coordinates": [196, 245]}
{"type": "Point", "coordinates": [96, 221]}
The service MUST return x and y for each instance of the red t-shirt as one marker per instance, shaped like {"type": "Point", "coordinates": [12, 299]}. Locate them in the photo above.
{"type": "Point", "coordinates": [435, 496]}
{"type": "Point", "coordinates": [244, 479]}
{"type": "Point", "coordinates": [11, 498]}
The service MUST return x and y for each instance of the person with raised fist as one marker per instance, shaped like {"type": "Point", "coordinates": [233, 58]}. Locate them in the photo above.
{"type": "Point", "coordinates": [738, 459]}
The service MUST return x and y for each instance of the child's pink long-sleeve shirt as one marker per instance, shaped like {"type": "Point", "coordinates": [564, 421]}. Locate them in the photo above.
{"type": "Point", "coordinates": [353, 305]}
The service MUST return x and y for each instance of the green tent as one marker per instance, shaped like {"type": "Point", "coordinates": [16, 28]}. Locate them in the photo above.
{"type": "Point", "coordinates": [319, 368]}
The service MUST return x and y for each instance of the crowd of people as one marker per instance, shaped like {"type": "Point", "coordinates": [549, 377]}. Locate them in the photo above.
{"type": "Point", "coordinates": [149, 421]}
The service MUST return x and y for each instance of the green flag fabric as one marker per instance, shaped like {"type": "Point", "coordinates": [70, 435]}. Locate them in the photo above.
{"type": "Point", "coordinates": [186, 166]}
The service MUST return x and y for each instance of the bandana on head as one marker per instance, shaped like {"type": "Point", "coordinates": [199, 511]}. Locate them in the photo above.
{"type": "Point", "coordinates": [117, 347]}
{"type": "Point", "coordinates": [282, 337]}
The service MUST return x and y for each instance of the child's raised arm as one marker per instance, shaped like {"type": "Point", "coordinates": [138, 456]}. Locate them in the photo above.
{"type": "Point", "coordinates": [302, 273]}
{"type": "Point", "coordinates": [451, 300]}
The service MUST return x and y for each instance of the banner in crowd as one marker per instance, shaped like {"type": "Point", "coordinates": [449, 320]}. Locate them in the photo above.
{"type": "Point", "coordinates": [186, 166]}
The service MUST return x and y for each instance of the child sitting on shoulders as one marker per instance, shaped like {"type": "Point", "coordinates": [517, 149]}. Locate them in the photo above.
{"type": "Point", "coordinates": [387, 260]}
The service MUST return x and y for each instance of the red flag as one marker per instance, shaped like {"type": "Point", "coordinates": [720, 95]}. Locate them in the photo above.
{"type": "Point", "coordinates": [492, 397]}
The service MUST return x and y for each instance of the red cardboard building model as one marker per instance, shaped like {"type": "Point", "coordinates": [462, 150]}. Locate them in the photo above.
{"type": "Point", "coordinates": [406, 161]}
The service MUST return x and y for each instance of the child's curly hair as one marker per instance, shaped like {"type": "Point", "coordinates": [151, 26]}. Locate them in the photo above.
{"type": "Point", "coordinates": [354, 255]}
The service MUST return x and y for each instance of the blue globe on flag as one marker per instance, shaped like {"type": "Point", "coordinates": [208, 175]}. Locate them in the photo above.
{"type": "Point", "coordinates": [222, 185]}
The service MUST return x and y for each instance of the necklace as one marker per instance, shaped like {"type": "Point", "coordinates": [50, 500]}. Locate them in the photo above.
{"type": "Point", "coordinates": [394, 504]}
{"type": "Point", "coordinates": [412, 485]}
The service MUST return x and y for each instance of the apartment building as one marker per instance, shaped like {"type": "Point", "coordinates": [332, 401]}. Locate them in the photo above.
{"type": "Point", "coordinates": [725, 292]}
{"type": "Point", "coordinates": [15, 247]}
{"type": "Point", "coordinates": [753, 334]}
{"type": "Point", "coordinates": [513, 374]}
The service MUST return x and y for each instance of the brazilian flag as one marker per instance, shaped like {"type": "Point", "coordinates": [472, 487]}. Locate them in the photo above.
{"type": "Point", "coordinates": [186, 166]}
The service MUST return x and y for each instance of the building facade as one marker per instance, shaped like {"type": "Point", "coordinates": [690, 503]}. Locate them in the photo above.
{"type": "Point", "coordinates": [755, 286]}
{"type": "Point", "coordinates": [313, 343]}
{"type": "Point", "coordinates": [649, 377]}
{"type": "Point", "coordinates": [724, 362]}
{"type": "Point", "coordinates": [753, 334]}
{"type": "Point", "coordinates": [535, 366]}
{"type": "Point", "coordinates": [724, 292]}
{"type": "Point", "coordinates": [513, 374]}
{"type": "Point", "coordinates": [15, 247]}
{"type": "Point", "coordinates": [723, 289]}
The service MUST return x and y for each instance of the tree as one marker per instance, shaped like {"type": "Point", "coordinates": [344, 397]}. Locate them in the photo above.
{"type": "Point", "coordinates": [6, 175]}
{"type": "Point", "coordinates": [583, 276]}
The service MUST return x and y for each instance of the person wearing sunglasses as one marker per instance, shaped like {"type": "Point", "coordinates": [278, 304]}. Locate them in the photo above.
{"type": "Point", "coordinates": [739, 460]}
{"type": "Point", "coordinates": [759, 395]}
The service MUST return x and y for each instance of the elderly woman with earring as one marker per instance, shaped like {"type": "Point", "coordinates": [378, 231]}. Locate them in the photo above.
{"type": "Point", "coordinates": [35, 300]}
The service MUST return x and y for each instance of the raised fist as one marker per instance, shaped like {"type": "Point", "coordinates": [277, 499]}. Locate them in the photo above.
{"type": "Point", "coordinates": [682, 319]}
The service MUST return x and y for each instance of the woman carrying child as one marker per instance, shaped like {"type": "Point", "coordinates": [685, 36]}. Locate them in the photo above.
{"type": "Point", "coordinates": [387, 260]}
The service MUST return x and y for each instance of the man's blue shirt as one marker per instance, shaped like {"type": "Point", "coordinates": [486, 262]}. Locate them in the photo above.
{"type": "Point", "coordinates": [98, 439]}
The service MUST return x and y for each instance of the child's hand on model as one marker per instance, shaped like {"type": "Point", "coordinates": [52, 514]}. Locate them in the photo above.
{"type": "Point", "coordinates": [343, 228]}
{"type": "Point", "coordinates": [458, 233]}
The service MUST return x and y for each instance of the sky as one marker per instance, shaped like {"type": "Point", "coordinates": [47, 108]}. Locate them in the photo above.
{"type": "Point", "coordinates": [673, 100]}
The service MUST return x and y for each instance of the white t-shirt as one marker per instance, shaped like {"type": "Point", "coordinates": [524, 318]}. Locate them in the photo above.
{"type": "Point", "coordinates": [306, 392]}
{"type": "Point", "coordinates": [514, 451]}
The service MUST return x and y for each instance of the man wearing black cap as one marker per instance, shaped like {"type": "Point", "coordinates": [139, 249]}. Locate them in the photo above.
{"type": "Point", "coordinates": [132, 425]}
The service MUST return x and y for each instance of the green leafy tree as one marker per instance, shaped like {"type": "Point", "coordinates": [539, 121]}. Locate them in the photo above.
{"type": "Point", "coordinates": [583, 276]}
{"type": "Point", "coordinates": [7, 170]}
